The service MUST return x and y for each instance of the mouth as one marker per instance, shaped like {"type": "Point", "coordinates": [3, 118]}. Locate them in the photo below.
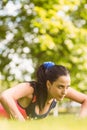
{"type": "Point", "coordinates": [62, 96]}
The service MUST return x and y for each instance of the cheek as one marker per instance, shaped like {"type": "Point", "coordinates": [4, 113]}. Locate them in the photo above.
{"type": "Point", "coordinates": [58, 92]}
{"type": "Point", "coordinates": [55, 92]}
{"type": "Point", "coordinates": [52, 91]}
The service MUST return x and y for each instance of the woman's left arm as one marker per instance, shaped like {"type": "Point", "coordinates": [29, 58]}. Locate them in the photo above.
{"type": "Point", "coordinates": [80, 98]}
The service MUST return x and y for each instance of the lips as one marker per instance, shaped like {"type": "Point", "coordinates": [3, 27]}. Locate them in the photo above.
{"type": "Point", "coordinates": [62, 96]}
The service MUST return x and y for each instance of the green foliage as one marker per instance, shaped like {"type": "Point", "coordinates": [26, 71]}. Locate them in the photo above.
{"type": "Point", "coordinates": [44, 30]}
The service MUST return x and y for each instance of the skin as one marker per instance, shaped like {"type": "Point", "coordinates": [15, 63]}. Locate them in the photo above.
{"type": "Point", "coordinates": [57, 90]}
{"type": "Point", "coordinates": [61, 88]}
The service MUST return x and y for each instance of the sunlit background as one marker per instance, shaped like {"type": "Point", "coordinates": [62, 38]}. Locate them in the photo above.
{"type": "Point", "coordinates": [33, 31]}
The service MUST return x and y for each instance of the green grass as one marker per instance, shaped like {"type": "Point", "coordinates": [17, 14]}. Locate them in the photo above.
{"type": "Point", "coordinates": [62, 122]}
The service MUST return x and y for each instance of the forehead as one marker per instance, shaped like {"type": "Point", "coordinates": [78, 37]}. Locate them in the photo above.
{"type": "Point", "coordinates": [63, 80]}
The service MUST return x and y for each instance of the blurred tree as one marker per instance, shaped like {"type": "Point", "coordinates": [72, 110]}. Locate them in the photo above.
{"type": "Point", "coordinates": [43, 30]}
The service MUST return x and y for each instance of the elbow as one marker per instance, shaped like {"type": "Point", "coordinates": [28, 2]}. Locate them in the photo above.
{"type": "Point", "coordinates": [85, 100]}
{"type": "Point", "coordinates": [83, 111]}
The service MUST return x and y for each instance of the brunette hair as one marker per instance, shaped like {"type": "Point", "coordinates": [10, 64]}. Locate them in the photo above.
{"type": "Point", "coordinates": [44, 73]}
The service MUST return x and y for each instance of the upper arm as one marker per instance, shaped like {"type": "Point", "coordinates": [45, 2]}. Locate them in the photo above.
{"type": "Point", "coordinates": [19, 91]}
{"type": "Point", "coordinates": [75, 95]}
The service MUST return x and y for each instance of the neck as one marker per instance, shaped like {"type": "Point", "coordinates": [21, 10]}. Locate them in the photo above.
{"type": "Point", "coordinates": [49, 99]}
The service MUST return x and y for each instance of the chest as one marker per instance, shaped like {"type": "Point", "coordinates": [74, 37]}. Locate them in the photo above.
{"type": "Point", "coordinates": [24, 102]}
{"type": "Point", "coordinates": [33, 110]}
{"type": "Point", "coordinates": [44, 110]}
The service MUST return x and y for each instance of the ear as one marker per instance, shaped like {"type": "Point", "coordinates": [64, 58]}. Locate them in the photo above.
{"type": "Point", "coordinates": [48, 84]}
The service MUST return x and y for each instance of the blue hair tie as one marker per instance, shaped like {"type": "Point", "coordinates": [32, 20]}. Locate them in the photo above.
{"type": "Point", "coordinates": [48, 64]}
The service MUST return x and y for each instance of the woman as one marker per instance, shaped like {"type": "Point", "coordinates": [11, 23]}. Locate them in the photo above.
{"type": "Point", "coordinates": [35, 99]}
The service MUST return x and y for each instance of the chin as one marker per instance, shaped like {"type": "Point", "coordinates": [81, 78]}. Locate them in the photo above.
{"type": "Point", "coordinates": [60, 99]}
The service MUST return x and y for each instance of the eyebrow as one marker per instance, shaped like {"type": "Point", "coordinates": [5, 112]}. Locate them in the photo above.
{"type": "Point", "coordinates": [63, 85]}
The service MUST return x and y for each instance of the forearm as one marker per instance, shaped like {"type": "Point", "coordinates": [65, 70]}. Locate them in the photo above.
{"type": "Point", "coordinates": [80, 98]}
{"type": "Point", "coordinates": [83, 111]}
{"type": "Point", "coordinates": [10, 106]}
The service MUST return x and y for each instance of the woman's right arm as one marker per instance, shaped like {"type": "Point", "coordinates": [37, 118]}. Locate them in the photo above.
{"type": "Point", "coordinates": [9, 97]}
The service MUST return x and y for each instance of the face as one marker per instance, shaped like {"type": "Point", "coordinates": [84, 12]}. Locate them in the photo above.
{"type": "Point", "coordinates": [58, 89]}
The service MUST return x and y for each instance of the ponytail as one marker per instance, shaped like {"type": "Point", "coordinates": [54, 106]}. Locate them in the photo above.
{"type": "Point", "coordinates": [41, 84]}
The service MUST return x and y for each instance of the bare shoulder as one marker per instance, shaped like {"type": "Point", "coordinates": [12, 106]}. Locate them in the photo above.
{"type": "Point", "coordinates": [76, 95]}
{"type": "Point", "coordinates": [19, 91]}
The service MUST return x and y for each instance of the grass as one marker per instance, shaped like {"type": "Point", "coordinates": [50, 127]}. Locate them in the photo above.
{"type": "Point", "coordinates": [62, 122]}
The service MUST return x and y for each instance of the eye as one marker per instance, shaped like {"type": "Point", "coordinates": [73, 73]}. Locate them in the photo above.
{"type": "Point", "coordinates": [60, 86]}
{"type": "Point", "coordinates": [67, 86]}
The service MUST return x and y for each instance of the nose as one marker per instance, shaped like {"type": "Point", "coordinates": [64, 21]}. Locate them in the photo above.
{"type": "Point", "coordinates": [64, 91]}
